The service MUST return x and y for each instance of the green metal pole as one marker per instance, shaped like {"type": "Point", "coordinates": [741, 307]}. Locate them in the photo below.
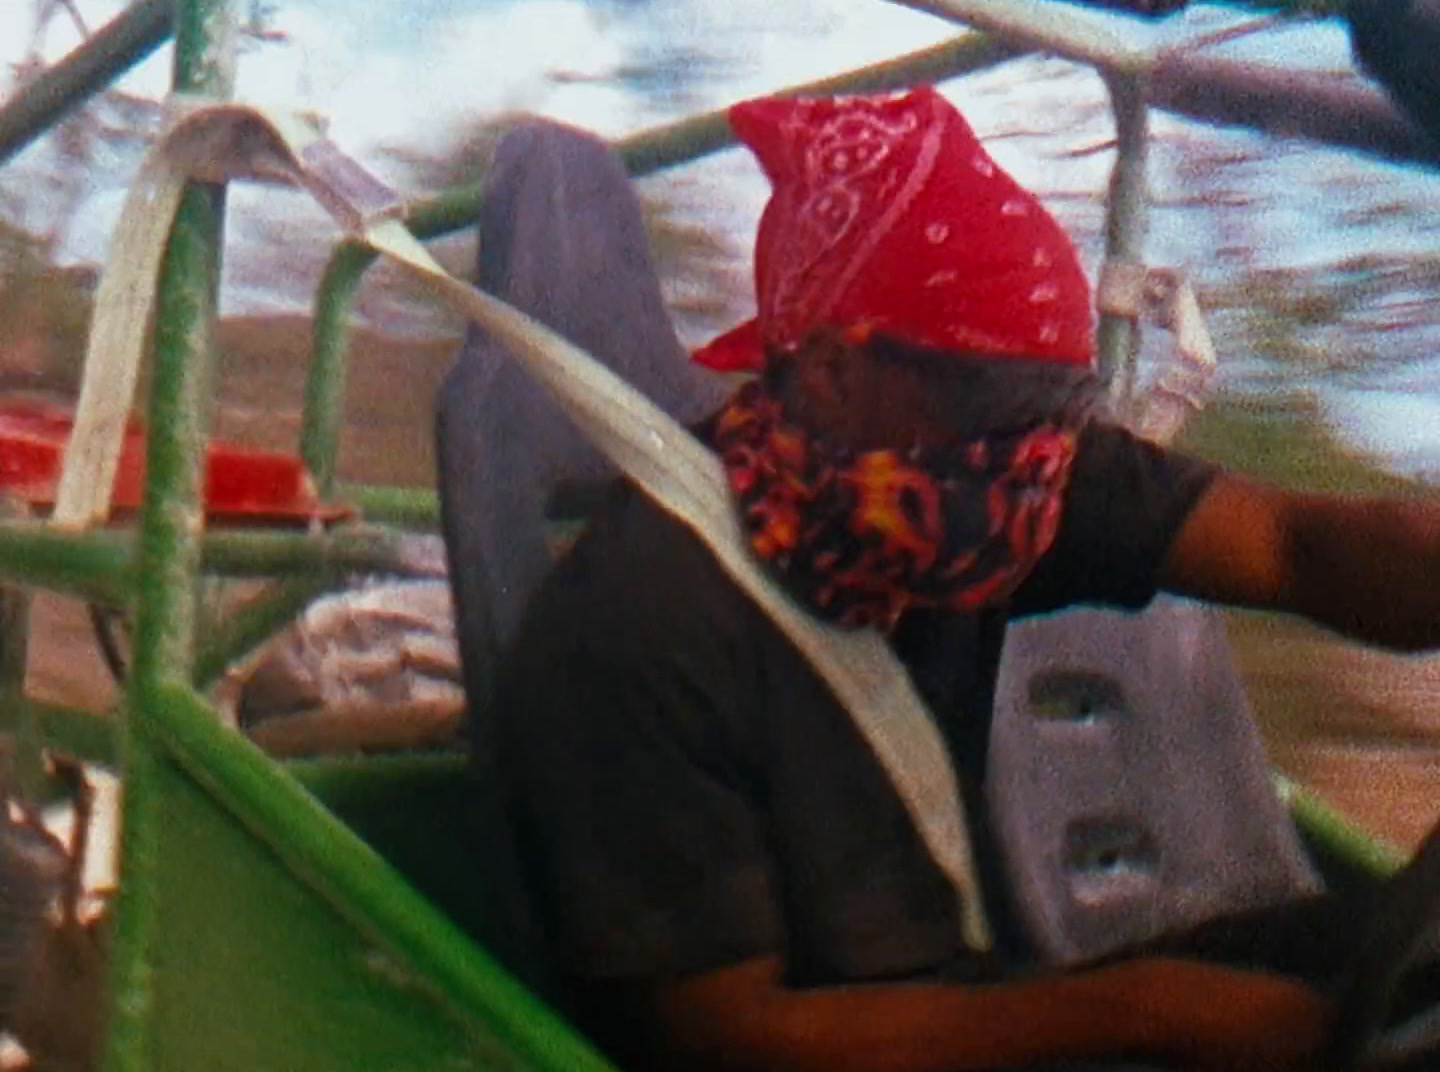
{"type": "Point", "coordinates": [643, 154]}
{"type": "Point", "coordinates": [250, 626]}
{"type": "Point", "coordinates": [697, 136]}
{"type": "Point", "coordinates": [324, 413]}
{"type": "Point", "coordinates": [82, 735]}
{"type": "Point", "coordinates": [172, 521]}
{"type": "Point", "coordinates": [92, 565]}
{"type": "Point", "coordinates": [110, 52]}
{"type": "Point", "coordinates": [170, 528]}
{"type": "Point", "coordinates": [1337, 834]}
{"type": "Point", "coordinates": [414, 508]}
{"type": "Point", "coordinates": [1057, 29]}
{"type": "Point", "coordinates": [17, 721]}
{"type": "Point", "coordinates": [362, 886]}
{"type": "Point", "coordinates": [363, 549]}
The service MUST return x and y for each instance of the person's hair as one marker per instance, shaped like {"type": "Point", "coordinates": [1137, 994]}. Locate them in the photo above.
{"type": "Point", "coordinates": [917, 388]}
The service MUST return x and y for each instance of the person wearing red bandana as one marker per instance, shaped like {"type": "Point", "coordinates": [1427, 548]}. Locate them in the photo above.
{"type": "Point", "coordinates": [726, 878]}
{"type": "Point", "coordinates": [892, 240]}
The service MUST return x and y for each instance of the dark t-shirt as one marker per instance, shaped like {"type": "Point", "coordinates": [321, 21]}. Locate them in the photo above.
{"type": "Point", "coordinates": [688, 794]}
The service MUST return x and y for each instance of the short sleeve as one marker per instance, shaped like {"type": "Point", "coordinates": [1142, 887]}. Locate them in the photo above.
{"type": "Point", "coordinates": [634, 789]}
{"type": "Point", "coordinates": [1128, 499]}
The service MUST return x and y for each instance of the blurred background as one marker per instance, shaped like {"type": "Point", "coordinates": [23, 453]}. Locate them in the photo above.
{"type": "Point", "coordinates": [1319, 269]}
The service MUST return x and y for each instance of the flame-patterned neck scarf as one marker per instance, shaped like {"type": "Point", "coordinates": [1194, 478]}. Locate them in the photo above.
{"type": "Point", "coordinates": [861, 537]}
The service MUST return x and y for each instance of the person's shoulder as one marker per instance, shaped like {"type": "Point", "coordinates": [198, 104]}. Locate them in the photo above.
{"type": "Point", "coordinates": [1113, 459]}
{"type": "Point", "coordinates": [1127, 500]}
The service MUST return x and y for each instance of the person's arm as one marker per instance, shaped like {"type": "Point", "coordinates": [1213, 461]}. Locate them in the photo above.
{"type": "Point", "coordinates": [1193, 1015]}
{"type": "Point", "coordinates": [1368, 568]}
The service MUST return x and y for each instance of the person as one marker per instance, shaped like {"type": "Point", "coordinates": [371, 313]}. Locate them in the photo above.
{"type": "Point", "coordinates": [1393, 41]}
{"type": "Point", "coordinates": [725, 877]}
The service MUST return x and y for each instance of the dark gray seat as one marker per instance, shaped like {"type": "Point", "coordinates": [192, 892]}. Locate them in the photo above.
{"type": "Point", "coordinates": [1129, 791]}
{"type": "Point", "coordinates": [562, 240]}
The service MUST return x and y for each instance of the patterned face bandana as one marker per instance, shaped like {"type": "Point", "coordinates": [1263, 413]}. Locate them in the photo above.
{"type": "Point", "coordinates": [860, 538]}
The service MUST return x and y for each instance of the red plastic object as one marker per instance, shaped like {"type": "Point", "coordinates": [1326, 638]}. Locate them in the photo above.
{"type": "Point", "coordinates": [242, 484]}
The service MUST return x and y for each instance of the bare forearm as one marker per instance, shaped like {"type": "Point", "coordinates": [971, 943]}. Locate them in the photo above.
{"type": "Point", "coordinates": [1367, 568]}
{"type": "Point", "coordinates": [1370, 569]}
{"type": "Point", "coordinates": [1165, 1010]}
{"type": "Point", "coordinates": [924, 1028]}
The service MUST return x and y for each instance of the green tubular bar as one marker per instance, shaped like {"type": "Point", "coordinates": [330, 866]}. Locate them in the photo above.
{"type": "Point", "coordinates": [79, 734]}
{"type": "Point", "coordinates": [95, 565]}
{"type": "Point", "coordinates": [169, 549]}
{"type": "Point", "coordinates": [417, 508]}
{"type": "Point", "coordinates": [17, 719]}
{"type": "Point", "coordinates": [363, 549]}
{"type": "Point", "coordinates": [251, 625]}
{"type": "Point", "coordinates": [91, 565]}
{"type": "Point", "coordinates": [172, 522]}
{"type": "Point", "coordinates": [690, 139]}
{"type": "Point", "coordinates": [324, 406]}
{"type": "Point", "coordinates": [1336, 834]}
{"type": "Point", "coordinates": [360, 884]}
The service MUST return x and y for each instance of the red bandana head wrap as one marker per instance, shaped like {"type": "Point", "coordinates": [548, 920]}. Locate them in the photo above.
{"type": "Point", "coordinates": [888, 221]}
{"type": "Point", "coordinates": [888, 216]}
